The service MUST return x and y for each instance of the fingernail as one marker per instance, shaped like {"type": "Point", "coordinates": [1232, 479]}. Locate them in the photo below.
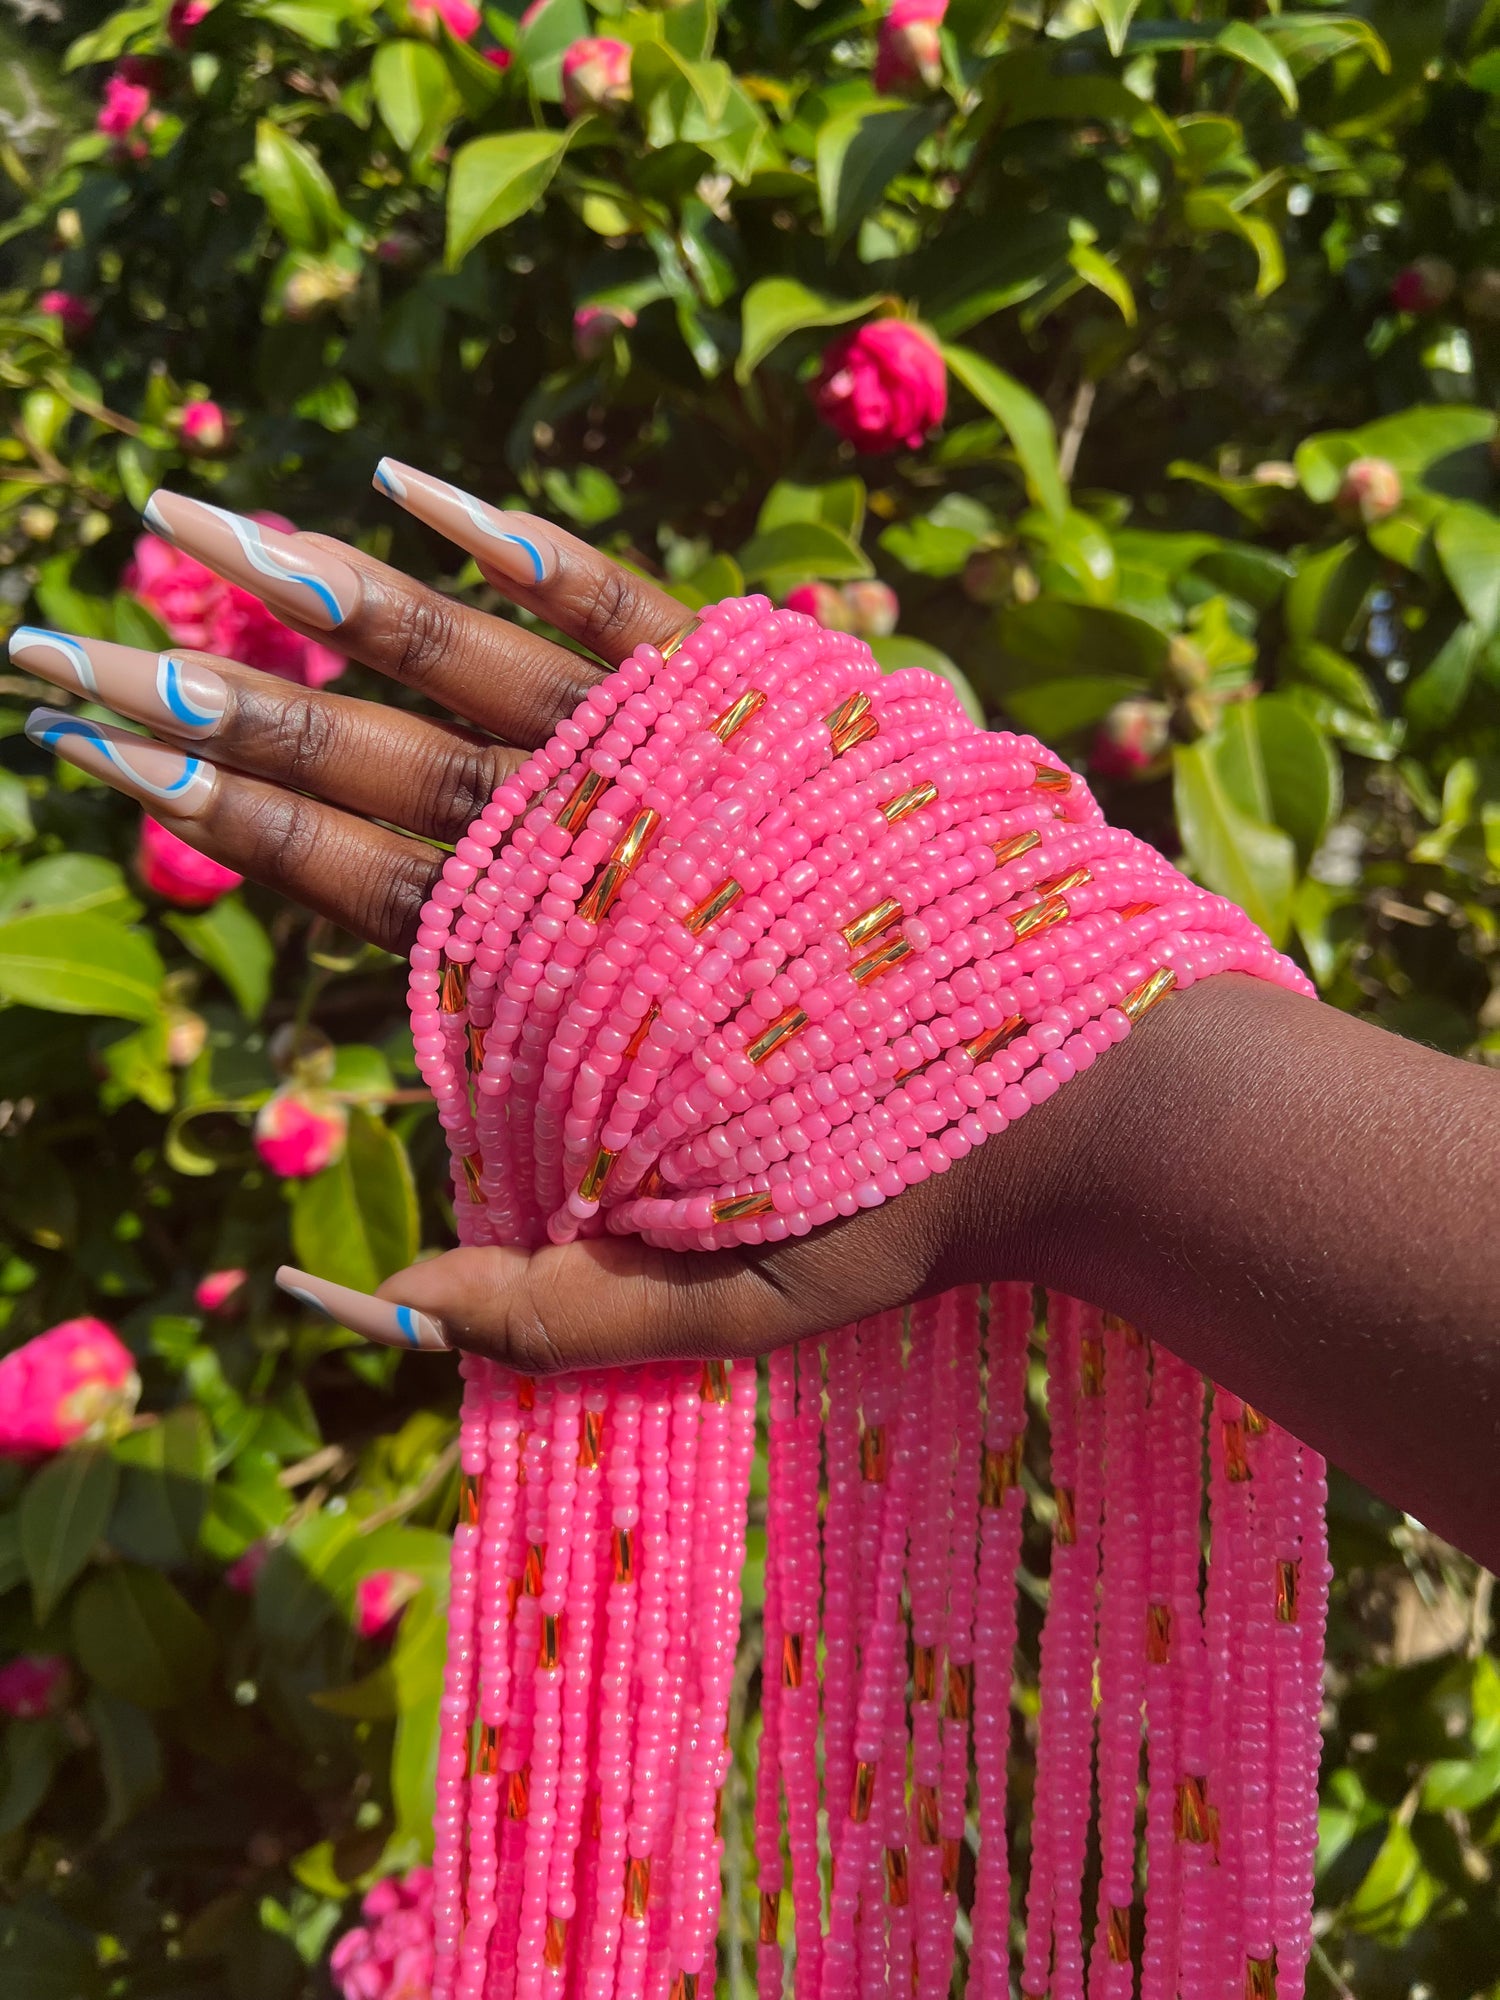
{"type": "Point", "coordinates": [161, 689]}
{"type": "Point", "coordinates": [143, 770]}
{"type": "Point", "coordinates": [292, 577]}
{"type": "Point", "coordinates": [376, 1319]}
{"type": "Point", "coordinates": [517, 545]}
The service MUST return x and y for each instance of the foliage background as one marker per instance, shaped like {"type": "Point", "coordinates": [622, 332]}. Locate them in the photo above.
{"type": "Point", "coordinates": [1159, 241]}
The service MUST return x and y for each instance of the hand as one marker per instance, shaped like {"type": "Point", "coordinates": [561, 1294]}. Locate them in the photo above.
{"type": "Point", "coordinates": [288, 786]}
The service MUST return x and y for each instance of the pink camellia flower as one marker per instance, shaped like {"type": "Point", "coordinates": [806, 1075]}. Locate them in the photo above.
{"type": "Point", "coordinates": [201, 610]}
{"type": "Point", "coordinates": [203, 427]}
{"type": "Point", "coordinates": [823, 601]}
{"type": "Point", "coordinates": [179, 873]}
{"type": "Point", "coordinates": [1425, 286]}
{"type": "Point", "coordinates": [243, 1573]}
{"type": "Point", "coordinates": [219, 1292]}
{"type": "Point", "coordinates": [459, 17]}
{"type": "Point", "coordinates": [74, 1378]}
{"type": "Point", "coordinates": [873, 607]}
{"type": "Point", "coordinates": [126, 103]}
{"type": "Point", "coordinates": [300, 1132]}
{"type": "Point", "coordinates": [595, 326]}
{"type": "Point", "coordinates": [76, 314]}
{"type": "Point", "coordinates": [595, 75]}
{"type": "Point", "coordinates": [33, 1685]}
{"type": "Point", "coordinates": [1131, 738]}
{"type": "Point", "coordinates": [184, 17]}
{"type": "Point", "coordinates": [1370, 490]}
{"type": "Point", "coordinates": [882, 386]}
{"type": "Point", "coordinates": [390, 1956]}
{"type": "Point", "coordinates": [908, 46]}
{"type": "Point", "coordinates": [380, 1599]}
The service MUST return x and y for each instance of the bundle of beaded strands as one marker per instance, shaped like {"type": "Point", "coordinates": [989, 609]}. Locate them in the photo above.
{"type": "Point", "coordinates": [759, 938]}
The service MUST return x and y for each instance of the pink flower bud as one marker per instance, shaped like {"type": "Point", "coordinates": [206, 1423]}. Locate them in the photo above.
{"type": "Point", "coordinates": [171, 869]}
{"type": "Point", "coordinates": [76, 314]}
{"type": "Point", "coordinates": [203, 427]}
{"type": "Point", "coordinates": [595, 326]}
{"type": "Point", "coordinates": [244, 1572]}
{"type": "Point", "coordinates": [1370, 491]}
{"type": "Point", "coordinates": [1131, 738]}
{"type": "Point", "coordinates": [219, 1292]}
{"type": "Point", "coordinates": [883, 386]}
{"type": "Point", "coordinates": [459, 17]}
{"type": "Point", "coordinates": [183, 18]}
{"type": "Point", "coordinates": [74, 1379]}
{"type": "Point", "coordinates": [822, 601]}
{"type": "Point", "coordinates": [187, 1033]}
{"type": "Point", "coordinates": [908, 46]}
{"type": "Point", "coordinates": [595, 75]}
{"type": "Point", "coordinates": [873, 607]}
{"type": "Point", "coordinates": [1425, 286]}
{"type": "Point", "coordinates": [498, 58]}
{"type": "Point", "coordinates": [390, 1956]}
{"type": "Point", "coordinates": [34, 1685]}
{"type": "Point", "coordinates": [126, 103]}
{"type": "Point", "coordinates": [300, 1132]}
{"type": "Point", "coordinates": [380, 1599]}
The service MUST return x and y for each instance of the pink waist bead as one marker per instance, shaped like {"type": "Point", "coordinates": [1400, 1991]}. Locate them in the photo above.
{"type": "Point", "coordinates": [760, 937]}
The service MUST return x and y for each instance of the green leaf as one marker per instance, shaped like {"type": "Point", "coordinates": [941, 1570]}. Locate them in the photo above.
{"type": "Point", "coordinates": [803, 549]}
{"type": "Point", "coordinates": [1237, 856]}
{"type": "Point", "coordinates": [840, 502]}
{"type": "Point", "coordinates": [1095, 269]}
{"type": "Point", "coordinates": [1436, 694]}
{"type": "Point", "coordinates": [776, 307]}
{"type": "Point", "coordinates": [294, 187]}
{"type": "Point", "coordinates": [860, 152]}
{"type": "Point", "coordinates": [1025, 420]}
{"type": "Point", "coordinates": [1115, 17]}
{"type": "Point", "coordinates": [140, 1639]}
{"type": "Point", "coordinates": [12, 1563]}
{"type": "Point", "coordinates": [1302, 773]}
{"type": "Point", "coordinates": [1235, 38]}
{"type": "Point", "coordinates": [1062, 666]}
{"type": "Point", "coordinates": [414, 1772]}
{"type": "Point", "coordinates": [1328, 593]}
{"type": "Point", "coordinates": [129, 1756]}
{"type": "Point", "coordinates": [69, 883]}
{"type": "Point", "coordinates": [63, 1512]}
{"type": "Point", "coordinates": [1468, 546]}
{"type": "Point", "coordinates": [79, 964]}
{"type": "Point", "coordinates": [15, 810]}
{"type": "Point", "coordinates": [231, 941]}
{"type": "Point", "coordinates": [30, 1752]}
{"type": "Point", "coordinates": [414, 94]}
{"type": "Point", "coordinates": [1308, 40]}
{"type": "Point", "coordinates": [356, 1222]}
{"type": "Point", "coordinates": [1207, 211]}
{"type": "Point", "coordinates": [544, 39]}
{"type": "Point", "coordinates": [495, 179]}
{"type": "Point", "coordinates": [164, 1472]}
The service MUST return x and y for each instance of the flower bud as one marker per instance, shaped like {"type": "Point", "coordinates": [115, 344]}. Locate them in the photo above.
{"type": "Point", "coordinates": [380, 1598]}
{"type": "Point", "coordinates": [203, 428]}
{"type": "Point", "coordinates": [76, 315]}
{"type": "Point", "coordinates": [243, 1573]}
{"type": "Point", "coordinates": [908, 46]}
{"type": "Point", "coordinates": [1275, 472]}
{"type": "Point", "coordinates": [823, 602]}
{"type": "Point", "coordinates": [220, 1292]}
{"type": "Point", "coordinates": [187, 1033]}
{"type": "Point", "coordinates": [76, 1379]}
{"type": "Point", "coordinates": [883, 386]}
{"type": "Point", "coordinates": [1424, 286]}
{"type": "Point", "coordinates": [595, 75]}
{"type": "Point", "coordinates": [595, 327]}
{"type": "Point", "coordinates": [1369, 492]}
{"type": "Point", "coordinates": [298, 1132]}
{"type": "Point", "coordinates": [183, 18]}
{"type": "Point", "coordinates": [873, 607]}
{"type": "Point", "coordinates": [38, 523]}
{"type": "Point", "coordinates": [1130, 740]}
{"type": "Point", "coordinates": [1186, 668]}
{"type": "Point", "coordinates": [169, 868]}
{"type": "Point", "coordinates": [34, 1685]}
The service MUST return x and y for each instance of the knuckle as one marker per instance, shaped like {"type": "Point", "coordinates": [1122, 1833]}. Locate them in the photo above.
{"type": "Point", "coordinates": [528, 1338]}
{"type": "Point", "coordinates": [391, 915]}
{"type": "Point", "coordinates": [458, 785]}
{"type": "Point", "coordinates": [426, 636]}
{"type": "Point", "coordinates": [281, 835]}
{"type": "Point", "coordinates": [302, 735]}
{"type": "Point", "coordinates": [606, 608]}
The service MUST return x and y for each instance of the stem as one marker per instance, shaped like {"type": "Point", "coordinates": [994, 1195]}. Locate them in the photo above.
{"type": "Point", "coordinates": [1077, 424]}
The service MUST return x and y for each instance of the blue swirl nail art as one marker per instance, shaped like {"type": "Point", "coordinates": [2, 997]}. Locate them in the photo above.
{"type": "Point", "coordinates": [174, 698]}
{"type": "Point", "coordinates": [72, 652]}
{"type": "Point", "coordinates": [406, 1320]}
{"type": "Point", "coordinates": [482, 518]}
{"type": "Point", "coordinates": [305, 1298]}
{"type": "Point", "coordinates": [270, 562]}
{"type": "Point", "coordinates": [57, 729]}
{"type": "Point", "coordinates": [389, 480]}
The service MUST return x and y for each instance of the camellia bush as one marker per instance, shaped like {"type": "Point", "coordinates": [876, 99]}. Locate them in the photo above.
{"type": "Point", "coordinates": [1131, 362]}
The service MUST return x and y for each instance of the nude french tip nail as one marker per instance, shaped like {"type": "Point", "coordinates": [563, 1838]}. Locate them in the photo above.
{"type": "Point", "coordinates": [375, 1319]}
{"type": "Point", "coordinates": [143, 770]}
{"type": "Point", "coordinates": [160, 689]}
{"type": "Point", "coordinates": [301, 582]}
{"type": "Point", "coordinates": [515, 545]}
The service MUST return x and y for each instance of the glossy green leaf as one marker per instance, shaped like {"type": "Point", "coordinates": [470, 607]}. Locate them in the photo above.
{"type": "Point", "coordinates": [164, 1470]}
{"type": "Point", "coordinates": [1309, 40]}
{"type": "Point", "coordinates": [495, 179]}
{"type": "Point", "coordinates": [777, 307]}
{"type": "Point", "coordinates": [129, 1756]}
{"type": "Point", "coordinates": [63, 1512]}
{"type": "Point", "coordinates": [840, 502]}
{"type": "Point", "coordinates": [860, 152]}
{"type": "Point", "coordinates": [12, 1562]}
{"type": "Point", "coordinates": [30, 1752]}
{"type": "Point", "coordinates": [356, 1222]}
{"type": "Point", "coordinates": [803, 549]}
{"type": "Point", "coordinates": [1436, 694]}
{"type": "Point", "coordinates": [541, 43]}
{"type": "Point", "coordinates": [1468, 546]}
{"type": "Point", "coordinates": [233, 943]}
{"type": "Point", "coordinates": [1024, 419]}
{"type": "Point", "coordinates": [1240, 857]}
{"type": "Point", "coordinates": [1239, 39]}
{"type": "Point", "coordinates": [414, 94]}
{"type": "Point", "coordinates": [296, 190]}
{"type": "Point", "coordinates": [79, 964]}
{"type": "Point", "coordinates": [16, 823]}
{"type": "Point", "coordinates": [68, 884]}
{"type": "Point", "coordinates": [140, 1639]}
{"type": "Point", "coordinates": [1115, 17]}
{"type": "Point", "coordinates": [1208, 212]}
{"type": "Point", "coordinates": [1304, 780]}
{"type": "Point", "coordinates": [1095, 269]}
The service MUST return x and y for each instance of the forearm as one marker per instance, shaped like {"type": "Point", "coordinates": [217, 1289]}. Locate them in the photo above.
{"type": "Point", "coordinates": [1302, 1206]}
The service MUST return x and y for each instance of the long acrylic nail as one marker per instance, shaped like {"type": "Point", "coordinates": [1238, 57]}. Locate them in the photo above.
{"type": "Point", "coordinates": [376, 1319]}
{"type": "Point", "coordinates": [519, 546]}
{"type": "Point", "coordinates": [294, 578]}
{"type": "Point", "coordinates": [143, 770]}
{"type": "Point", "coordinates": [165, 690]}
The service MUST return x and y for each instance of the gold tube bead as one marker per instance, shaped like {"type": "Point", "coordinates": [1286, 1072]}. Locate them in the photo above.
{"type": "Point", "coordinates": [958, 1702]}
{"type": "Point", "coordinates": [713, 1384]}
{"type": "Point", "coordinates": [525, 1392]}
{"type": "Point", "coordinates": [652, 1185]}
{"type": "Point", "coordinates": [1190, 1814]}
{"type": "Point", "coordinates": [518, 1793]}
{"type": "Point", "coordinates": [591, 1439]}
{"type": "Point", "coordinates": [897, 1878]}
{"type": "Point", "coordinates": [1288, 1590]}
{"type": "Point", "coordinates": [595, 1174]}
{"type": "Point", "coordinates": [1050, 779]}
{"type": "Point", "coordinates": [531, 1572]}
{"type": "Point", "coordinates": [851, 724]}
{"type": "Point", "coordinates": [875, 921]}
{"type": "Point", "coordinates": [680, 638]}
{"type": "Point", "coordinates": [468, 1499]}
{"type": "Point", "coordinates": [991, 1040]}
{"type": "Point", "coordinates": [1067, 1517]}
{"type": "Point", "coordinates": [923, 1673]}
{"type": "Point", "coordinates": [737, 714]}
{"type": "Point", "coordinates": [782, 1029]}
{"type": "Point", "coordinates": [1091, 1366]}
{"type": "Point", "coordinates": [580, 801]}
{"type": "Point", "coordinates": [881, 960]}
{"type": "Point", "coordinates": [637, 1887]}
{"type": "Point", "coordinates": [548, 1654]}
{"type": "Point", "coordinates": [1255, 1424]}
{"type": "Point", "coordinates": [603, 892]}
{"type": "Point", "coordinates": [712, 907]}
{"type": "Point", "coordinates": [485, 1762]}
{"type": "Point", "coordinates": [719, 1813]}
{"type": "Point", "coordinates": [555, 1949]}
{"type": "Point", "coordinates": [1236, 1464]}
{"type": "Point", "coordinates": [791, 1659]}
{"type": "Point", "coordinates": [770, 1915]}
{"type": "Point", "coordinates": [850, 709]}
{"type": "Point", "coordinates": [1260, 1979]}
{"type": "Point", "coordinates": [906, 803]}
{"type": "Point", "coordinates": [472, 1166]}
{"type": "Point", "coordinates": [1000, 1470]}
{"type": "Point", "coordinates": [455, 993]}
{"type": "Point", "coordinates": [648, 1021]}
{"type": "Point", "coordinates": [1158, 1634]}
{"type": "Point", "coordinates": [952, 1848]}
{"type": "Point", "coordinates": [1017, 845]}
{"type": "Point", "coordinates": [684, 1986]}
{"type": "Point", "coordinates": [1059, 885]}
{"type": "Point", "coordinates": [1145, 996]}
{"type": "Point", "coordinates": [1118, 1935]}
{"type": "Point", "coordinates": [924, 1797]}
{"type": "Point", "coordinates": [476, 1049]}
{"type": "Point", "coordinates": [1136, 910]}
{"type": "Point", "coordinates": [1039, 917]}
{"type": "Point", "coordinates": [872, 1454]}
{"type": "Point", "coordinates": [863, 1795]}
{"type": "Point", "coordinates": [622, 1547]}
{"type": "Point", "coordinates": [742, 1207]}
